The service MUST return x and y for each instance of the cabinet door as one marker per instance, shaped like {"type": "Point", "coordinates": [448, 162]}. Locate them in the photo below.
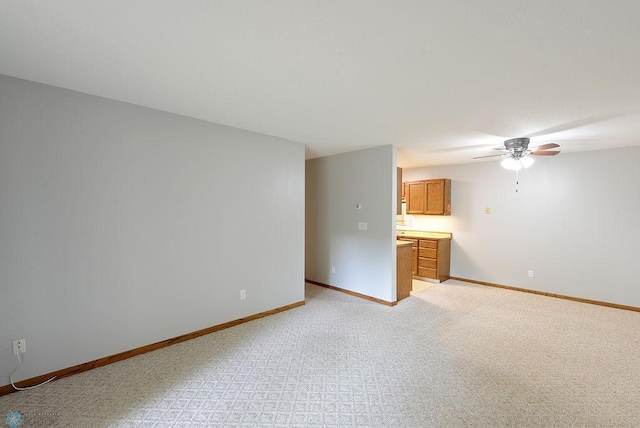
{"type": "Point", "coordinates": [403, 273]}
{"type": "Point", "coordinates": [414, 260]}
{"type": "Point", "coordinates": [435, 197]}
{"type": "Point", "coordinates": [414, 253]}
{"type": "Point", "coordinates": [414, 194]}
{"type": "Point", "coordinates": [438, 197]}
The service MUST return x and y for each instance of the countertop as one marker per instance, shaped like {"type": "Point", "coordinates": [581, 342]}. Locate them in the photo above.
{"type": "Point", "coordinates": [423, 234]}
{"type": "Point", "coordinates": [401, 243]}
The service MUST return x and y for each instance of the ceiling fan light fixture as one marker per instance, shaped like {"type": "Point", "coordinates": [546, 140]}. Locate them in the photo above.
{"type": "Point", "coordinates": [527, 161]}
{"type": "Point", "coordinates": [514, 163]}
{"type": "Point", "coordinates": [511, 163]}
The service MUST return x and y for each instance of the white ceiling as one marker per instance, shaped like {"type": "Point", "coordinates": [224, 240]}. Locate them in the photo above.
{"type": "Point", "coordinates": [444, 80]}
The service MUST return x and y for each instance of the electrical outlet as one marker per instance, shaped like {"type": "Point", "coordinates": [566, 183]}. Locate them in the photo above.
{"type": "Point", "coordinates": [243, 294]}
{"type": "Point", "coordinates": [19, 346]}
{"type": "Point", "coordinates": [333, 269]}
{"type": "Point", "coordinates": [530, 274]}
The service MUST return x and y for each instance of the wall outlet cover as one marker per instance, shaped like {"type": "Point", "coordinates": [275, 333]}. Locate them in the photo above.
{"type": "Point", "coordinates": [19, 346]}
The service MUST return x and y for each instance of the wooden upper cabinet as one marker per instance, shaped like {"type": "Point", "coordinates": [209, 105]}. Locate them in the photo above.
{"type": "Point", "coordinates": [430, 197]}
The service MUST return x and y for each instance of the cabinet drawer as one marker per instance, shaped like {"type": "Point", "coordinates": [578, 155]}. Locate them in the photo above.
{"type": "Point", "coordinates": [427, 252]}
{"type": "Point", "coordinates": [428, 244]}
{"type": "Point", "coordinates": [427, 272]}
{"type": "Point", "coordinates": [427, 263]}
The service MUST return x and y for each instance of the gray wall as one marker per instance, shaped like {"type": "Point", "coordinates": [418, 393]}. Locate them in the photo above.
{"type": "Point", "coordinates": [364, 259]}
{"type": "Point", "coordinates": [574, 222]}
{"type": "Point", "coordinates": [121, 226]}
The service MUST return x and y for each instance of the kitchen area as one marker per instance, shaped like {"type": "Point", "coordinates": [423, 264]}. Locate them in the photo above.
{"type": "Point", "coordinates": [423, 257]}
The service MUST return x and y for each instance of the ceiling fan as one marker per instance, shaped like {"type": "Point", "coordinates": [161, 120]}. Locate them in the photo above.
{"type": "Point", "coordinates": [518, 154]}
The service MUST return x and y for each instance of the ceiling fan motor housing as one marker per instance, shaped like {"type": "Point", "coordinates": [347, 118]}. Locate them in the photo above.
{"type": "Point", "coordinates": [517, 144]}
{"type": "Point", "coordinates": [518, 148]}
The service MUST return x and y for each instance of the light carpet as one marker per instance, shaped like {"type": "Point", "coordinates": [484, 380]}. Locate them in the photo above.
{"type": "Point", "coordinates": [454, 355]}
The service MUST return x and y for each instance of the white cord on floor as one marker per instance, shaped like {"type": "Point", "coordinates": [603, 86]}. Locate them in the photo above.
{"type": "Point", "coordinates": [26, 387]}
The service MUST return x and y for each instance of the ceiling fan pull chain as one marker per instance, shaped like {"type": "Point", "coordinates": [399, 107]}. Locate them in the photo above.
{"type": "Point", "coordinates": [517, 181]}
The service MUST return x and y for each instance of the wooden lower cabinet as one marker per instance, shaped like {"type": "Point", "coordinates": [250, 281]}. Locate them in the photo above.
{"type": "Point", "coordinates": [434, 259]}
{"type": "Point", "coordinates": [414, 254]}
{"type": "Point", "coordinates": [403, 271]}
{"type": "Point", "coordinates": [430, 257]}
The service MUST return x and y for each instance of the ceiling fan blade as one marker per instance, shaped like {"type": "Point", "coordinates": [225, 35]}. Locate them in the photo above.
{"type": "Point", "coordinates": [549, 153]}
{"type": "Point", "coordinates": [545, 147]}
{"type": "Point", "coordinates": [490, 156]}
{"type": "Point", "coordinates": [500, 148]}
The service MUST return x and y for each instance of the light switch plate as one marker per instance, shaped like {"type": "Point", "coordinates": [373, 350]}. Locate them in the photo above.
{"type": "Point", "coordinates": [362, 225]}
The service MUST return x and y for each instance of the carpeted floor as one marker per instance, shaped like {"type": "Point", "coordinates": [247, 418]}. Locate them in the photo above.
{"type": "Point", "coordinates": [453, 355]}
